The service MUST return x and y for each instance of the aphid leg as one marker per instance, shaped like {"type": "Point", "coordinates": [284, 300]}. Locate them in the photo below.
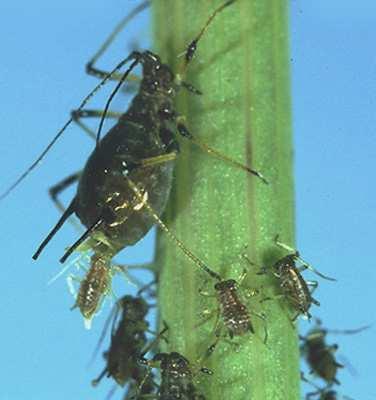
{"type": "Point", "coordinates": [263, 270]}
{"type": "Point", "coordinates": [122, 269]}
{"type": "Point", "coordinates": [263, 318]}
{"type": "Point", "coordinates": [158, 336]}
{"type": "Point", "coordinates": [305, 265]}
{"type": "Point", "coordinates": [242, 277]}
{"type": "Point", "coordinates": [183, 130]}
{"type": "Point", "coordinates": [77, 115]}
{"type": "Point", "coordinates": [146, 288]}
{"type": "Point", "coordinates": [206, 315]}
{"type": "Point", "coordinates": [68, 212]}
{"type": "Point", "coordinates": [313, 285]}
{"type": "Point", "coordinates": [55, 190]}
{"type": "Point", "coordinates": [73, 291]}
{"type": "Point", "coordinates": [150, 162]}
{"type": "Point", "coordinates": [149, 364]}
{"type": "Point", "coordinates": [217, 329]}
{"type": "Point", "coordinates": [90, 69]}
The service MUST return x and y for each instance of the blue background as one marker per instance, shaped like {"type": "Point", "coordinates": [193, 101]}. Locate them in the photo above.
{"type": "Point", "coordinates": [43, 346]}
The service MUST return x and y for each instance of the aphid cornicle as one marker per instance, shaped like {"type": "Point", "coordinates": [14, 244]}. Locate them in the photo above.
{"type": "Point", "coordinates": [141, 145]}
{"type": "Point", "coordinates": [128, 343]}
{"type": "Point", "coordinates": [176, 377]}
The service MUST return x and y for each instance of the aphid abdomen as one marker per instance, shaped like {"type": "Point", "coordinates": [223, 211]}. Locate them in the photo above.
{"type": "Point", "coordinates": [176, 378]}
{"type": "Point", "coordinates": [104, 193]}
{"type": "Point", "coordinates": [296, 290]}
{"type": "Point", "coordinates": [93, 287]}
{"type": "Point", "coordinates": [234, 313]}
{"type": "Point", "coordinates": [322, 361]}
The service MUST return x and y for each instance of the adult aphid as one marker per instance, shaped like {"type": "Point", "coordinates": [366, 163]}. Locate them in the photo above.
{"type": "Point", "coordinates": [142, 145]}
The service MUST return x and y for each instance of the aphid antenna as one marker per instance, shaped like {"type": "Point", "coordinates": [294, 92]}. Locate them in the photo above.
{"type": "Point", "coordinates": [118, 28]}
{"type": "Point", "coordinates": [135, 56]}
{"type": "Point", "coordinates": [192, 47]}
{"type": "Point", "coordinates": [296, 255]}
{"type": "Point", "coordinates": [65, 126]}
{"type": "Point", "coordinates": [169, 233]}
{"type": "Point", "coordinates": [348, 331]}
{"type": "Point", "coordinates": [342, 331]}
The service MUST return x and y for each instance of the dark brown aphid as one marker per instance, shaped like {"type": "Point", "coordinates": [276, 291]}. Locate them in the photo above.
{"type": "Point", "coordinates": [142, 145]}
{"type": "Point", "coordinates": [128, 344]}
{"type": "Point", "coordinates": [320, 356]}
{"type": "Point", "coordinates": [294, 287]}
{"type": "Point", "coordinates": [176, 377]}
{"type": "Point", "coordinates": [234, 312]}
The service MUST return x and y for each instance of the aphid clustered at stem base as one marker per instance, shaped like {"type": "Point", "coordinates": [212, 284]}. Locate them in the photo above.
{"type": "Point", "coordinates": [122, 192]}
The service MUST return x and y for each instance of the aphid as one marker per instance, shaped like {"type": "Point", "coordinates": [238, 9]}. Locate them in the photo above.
{"type": "Point", "coordinates": [320, 356]}
{"type": "Point", "coordinates": [322, 393]}
{"type": "Point", "coordinates": [95, 284]}
{"type": "Point", "coordinates": [233, 312]}
{"type": "Point", "coordinates": [141, 145]}
{"type": "Point", "coordinates": [325, 394]}
{"type": "Point", "coordinates": [176, 377]}
{"type": "Point", "coordinates": [294, 287]}
{"type": "Point", "coordinates": [128, 343]}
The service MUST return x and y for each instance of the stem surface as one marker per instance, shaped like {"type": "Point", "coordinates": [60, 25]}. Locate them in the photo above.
{"type": "Point", "coordinates": [220, 212]}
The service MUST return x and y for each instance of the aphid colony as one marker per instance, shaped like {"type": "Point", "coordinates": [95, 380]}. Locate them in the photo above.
{"type": "Point", "coordinates": [122, 192]}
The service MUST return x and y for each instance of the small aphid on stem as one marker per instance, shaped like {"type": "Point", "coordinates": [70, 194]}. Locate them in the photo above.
{"type": "Point", "coordinates": [232, 312]}
{"type": "Point", "coordinates": [176, 377]}
{"type": "Point", "coordinates": [295, 289]}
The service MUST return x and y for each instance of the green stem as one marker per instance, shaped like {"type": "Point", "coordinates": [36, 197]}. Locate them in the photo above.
{"type": "Point", "coordinates": [242, 68]}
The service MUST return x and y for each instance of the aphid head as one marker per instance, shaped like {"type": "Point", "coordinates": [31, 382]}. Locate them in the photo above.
{"type": "Point", "coordinates": [227, 285]}
{"type": "Point", "coordinates": [174, 363]}
{"type": "Point", "coordinates": [134, 308]}
{"type": "Point", "coordinates": [285, 263]}
{"type": "Point", "coordinates": [329, 395]}
{"type": "Point", "coordinates": [316, 335]}
{"type": "Point", "coordinates": [158, 77]}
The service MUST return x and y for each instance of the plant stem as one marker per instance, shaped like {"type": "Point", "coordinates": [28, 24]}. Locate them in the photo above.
{"type": "Point", "coordinates": [242, 68]}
